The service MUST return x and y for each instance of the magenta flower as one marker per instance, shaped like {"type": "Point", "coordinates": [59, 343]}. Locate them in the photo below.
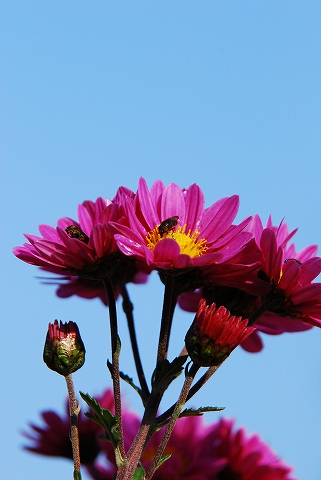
{"type": "Point", "coordinates": [291, 300]}
{"type": "Point", "coordinates": [214, 334]}
{"type": "Point", "coordinates": [291, 274]}
{"type": "Point", "coordinates": [75, 247]}
{"type": "Point", "coordinates": [169, 228]}
{"type": "Point", "coordinates": [208, 452]}
{"type": "Point", "coordinates": [199, 451]}
{"type": "Point", "coordinates": [83, 249]}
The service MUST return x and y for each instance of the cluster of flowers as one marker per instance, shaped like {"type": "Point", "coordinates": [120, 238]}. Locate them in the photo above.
{"type": "Point", "coordinates": [213, 452]}
{"type": "Point", "coordinates": [249, 269]}
{"type": "Point", "coordinates": [241, 280]}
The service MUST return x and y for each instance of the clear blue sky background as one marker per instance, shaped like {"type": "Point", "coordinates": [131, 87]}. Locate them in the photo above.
{"type": "Point", "coordinates": [96, 94]}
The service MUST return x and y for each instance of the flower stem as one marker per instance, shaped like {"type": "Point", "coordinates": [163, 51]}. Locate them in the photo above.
{"type": "Point", "coordinates": [167, 315]}
{"type": "Point", "coordinates": [128, 309]}
{"type": "Point", "coordinates": [74, 437]}
{"type": "Point", "coordinates": [146, 428]}
{"type": "Point", "coordinates": [115, 348]}
{"type": "Point", "coordinates": [176, 413]}
{"type": "Point", "coordinates": [194, 389]}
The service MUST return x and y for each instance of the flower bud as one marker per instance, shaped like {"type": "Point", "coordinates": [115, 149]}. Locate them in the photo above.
{"type": "Point", "coordinates": [214, 334]}
{"type": "Point", "coordinates": [64, 351]}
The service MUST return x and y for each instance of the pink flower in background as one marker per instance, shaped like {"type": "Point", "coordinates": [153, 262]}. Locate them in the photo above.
{"type": "Point", "coordinates": [53, 438]}
{"type": "Point", "coordinates": [169, 227]}
{"type": "Point", "coordinates": [198, 451]}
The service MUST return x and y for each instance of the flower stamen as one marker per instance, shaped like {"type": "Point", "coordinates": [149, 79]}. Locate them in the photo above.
{"type": "Point", "coordinates": [189, 243]}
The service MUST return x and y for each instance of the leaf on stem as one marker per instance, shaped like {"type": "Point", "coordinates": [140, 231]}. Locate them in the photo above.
{"type": "Point", "coordinates": [139, 473]}
{"type": "Point", "coordinates": [166, 372]}
{"type": "Point", "coordinates": [194, 412]}
{"type": "Point", "coordinates": [104, 418]}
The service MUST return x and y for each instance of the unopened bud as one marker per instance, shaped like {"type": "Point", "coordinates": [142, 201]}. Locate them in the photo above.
{"type": "Point", "coordinates": [64, 351]}
{"type": "Point", "coordinates": [214, 334]}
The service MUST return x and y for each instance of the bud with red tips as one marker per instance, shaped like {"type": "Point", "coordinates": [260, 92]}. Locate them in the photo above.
{"type": "Point", "coordinates": [64, 351]}
{"type": "Point", "coordinates": [214, 334]}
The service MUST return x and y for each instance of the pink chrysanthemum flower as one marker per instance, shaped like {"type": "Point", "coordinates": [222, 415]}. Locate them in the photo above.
{"type": "Point", "coordinates": [209, 452]}
{"type": "Point", "coordinates": [292, 302]}
{"type": "Point", "coordinates": [169, 228]}
{"type": "Point", "coordinates": [214, 334]}
{"type": "Point", "coordinates": [291, 275]}
{"type": "Point", "coordinates": [83, 248]}
{"type": "Point", "coordinates": [198, 451]}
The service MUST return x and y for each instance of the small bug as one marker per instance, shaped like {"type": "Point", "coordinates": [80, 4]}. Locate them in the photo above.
{"type": "Point", "coordinates": [75, 232]}
{"type": "Point", "coordinates": [167, 225]}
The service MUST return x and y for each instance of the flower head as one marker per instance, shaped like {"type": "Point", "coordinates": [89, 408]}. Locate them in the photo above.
{"type": "Point", "coordinates": [64, 351]}
{"type": "Point", "coordinates": [79, 248]}
{"type": "Point", "coordinates": [214, 334]}
{"type": "Point", "coordinates": [280, 281]}
{"type": "Point", "coordinates": [169, 228]}
{"type": "Point", "coordinates": [293, 292]}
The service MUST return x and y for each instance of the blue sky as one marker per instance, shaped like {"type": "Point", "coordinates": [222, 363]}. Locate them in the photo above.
{"type": "Point", "coordinates": [95, 95]}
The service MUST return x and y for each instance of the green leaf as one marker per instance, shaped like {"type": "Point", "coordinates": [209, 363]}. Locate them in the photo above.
{"type": "Point", "coordinates": [192, 412]}
{"type": "Point", "coordinates": [130, 382]}
{"type": "Point", "coordinates": [104, 418]}
{"type": "Point", "coordinates": [167, 372]}
{"type": "Point", "coordinates": [139, 473]}
{"type": "Point", "coordinates": [163, 459]}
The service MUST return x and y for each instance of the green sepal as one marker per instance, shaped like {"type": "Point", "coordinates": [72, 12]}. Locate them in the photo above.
{"type": "Point", "coordinates": [139, 473]}
{"type": "Point", "coordinates": [167, 372]}
{"type": "Point", "coordinates": [104, 418]}
{"type": "Point", "coordinates": [195, 412]}
{"type": "Point", "coordinates": [77, 475]}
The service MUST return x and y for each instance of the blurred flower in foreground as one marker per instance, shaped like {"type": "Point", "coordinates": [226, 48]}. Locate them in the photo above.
{"type": "Point", "coordinates": [64, 351]}
{"type": "Point", "coordinates": [214, 334]}
{"type": "Point", "coordinates": [198, 451]}
{"type": "Point", "coordinates": [169, 228]}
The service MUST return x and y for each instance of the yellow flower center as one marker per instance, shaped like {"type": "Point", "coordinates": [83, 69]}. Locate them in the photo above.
{"type": "Point", "coordinates": [188, 242]}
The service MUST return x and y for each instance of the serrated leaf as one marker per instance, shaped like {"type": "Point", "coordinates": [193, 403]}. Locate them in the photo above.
{"type": "Point", "coordinates": [167, 372]}
{"type": "Point", "coordinates": [104, 418]}
{"type": "Point", "coordinates": [139, 473]}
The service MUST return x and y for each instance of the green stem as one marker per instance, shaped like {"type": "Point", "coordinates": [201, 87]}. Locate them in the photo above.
{"type": "Point", "coordinates": [115, 348]}
{"type": "Point", "coordinates": [74, 437]}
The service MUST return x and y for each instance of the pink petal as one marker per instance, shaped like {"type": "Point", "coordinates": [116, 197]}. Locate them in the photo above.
{"type": "Point", "coordinates": [194, 207]}
{"type": "Point", "coordinates": [173, 203]}
{"type": "Point", "coordinates": [215, 222]}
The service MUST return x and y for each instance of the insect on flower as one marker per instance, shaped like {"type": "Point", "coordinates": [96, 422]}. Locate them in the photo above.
{"type": "Point", "coordinates": [168, 225]}
{"type": "Point", "coordinates": [75, 232]}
